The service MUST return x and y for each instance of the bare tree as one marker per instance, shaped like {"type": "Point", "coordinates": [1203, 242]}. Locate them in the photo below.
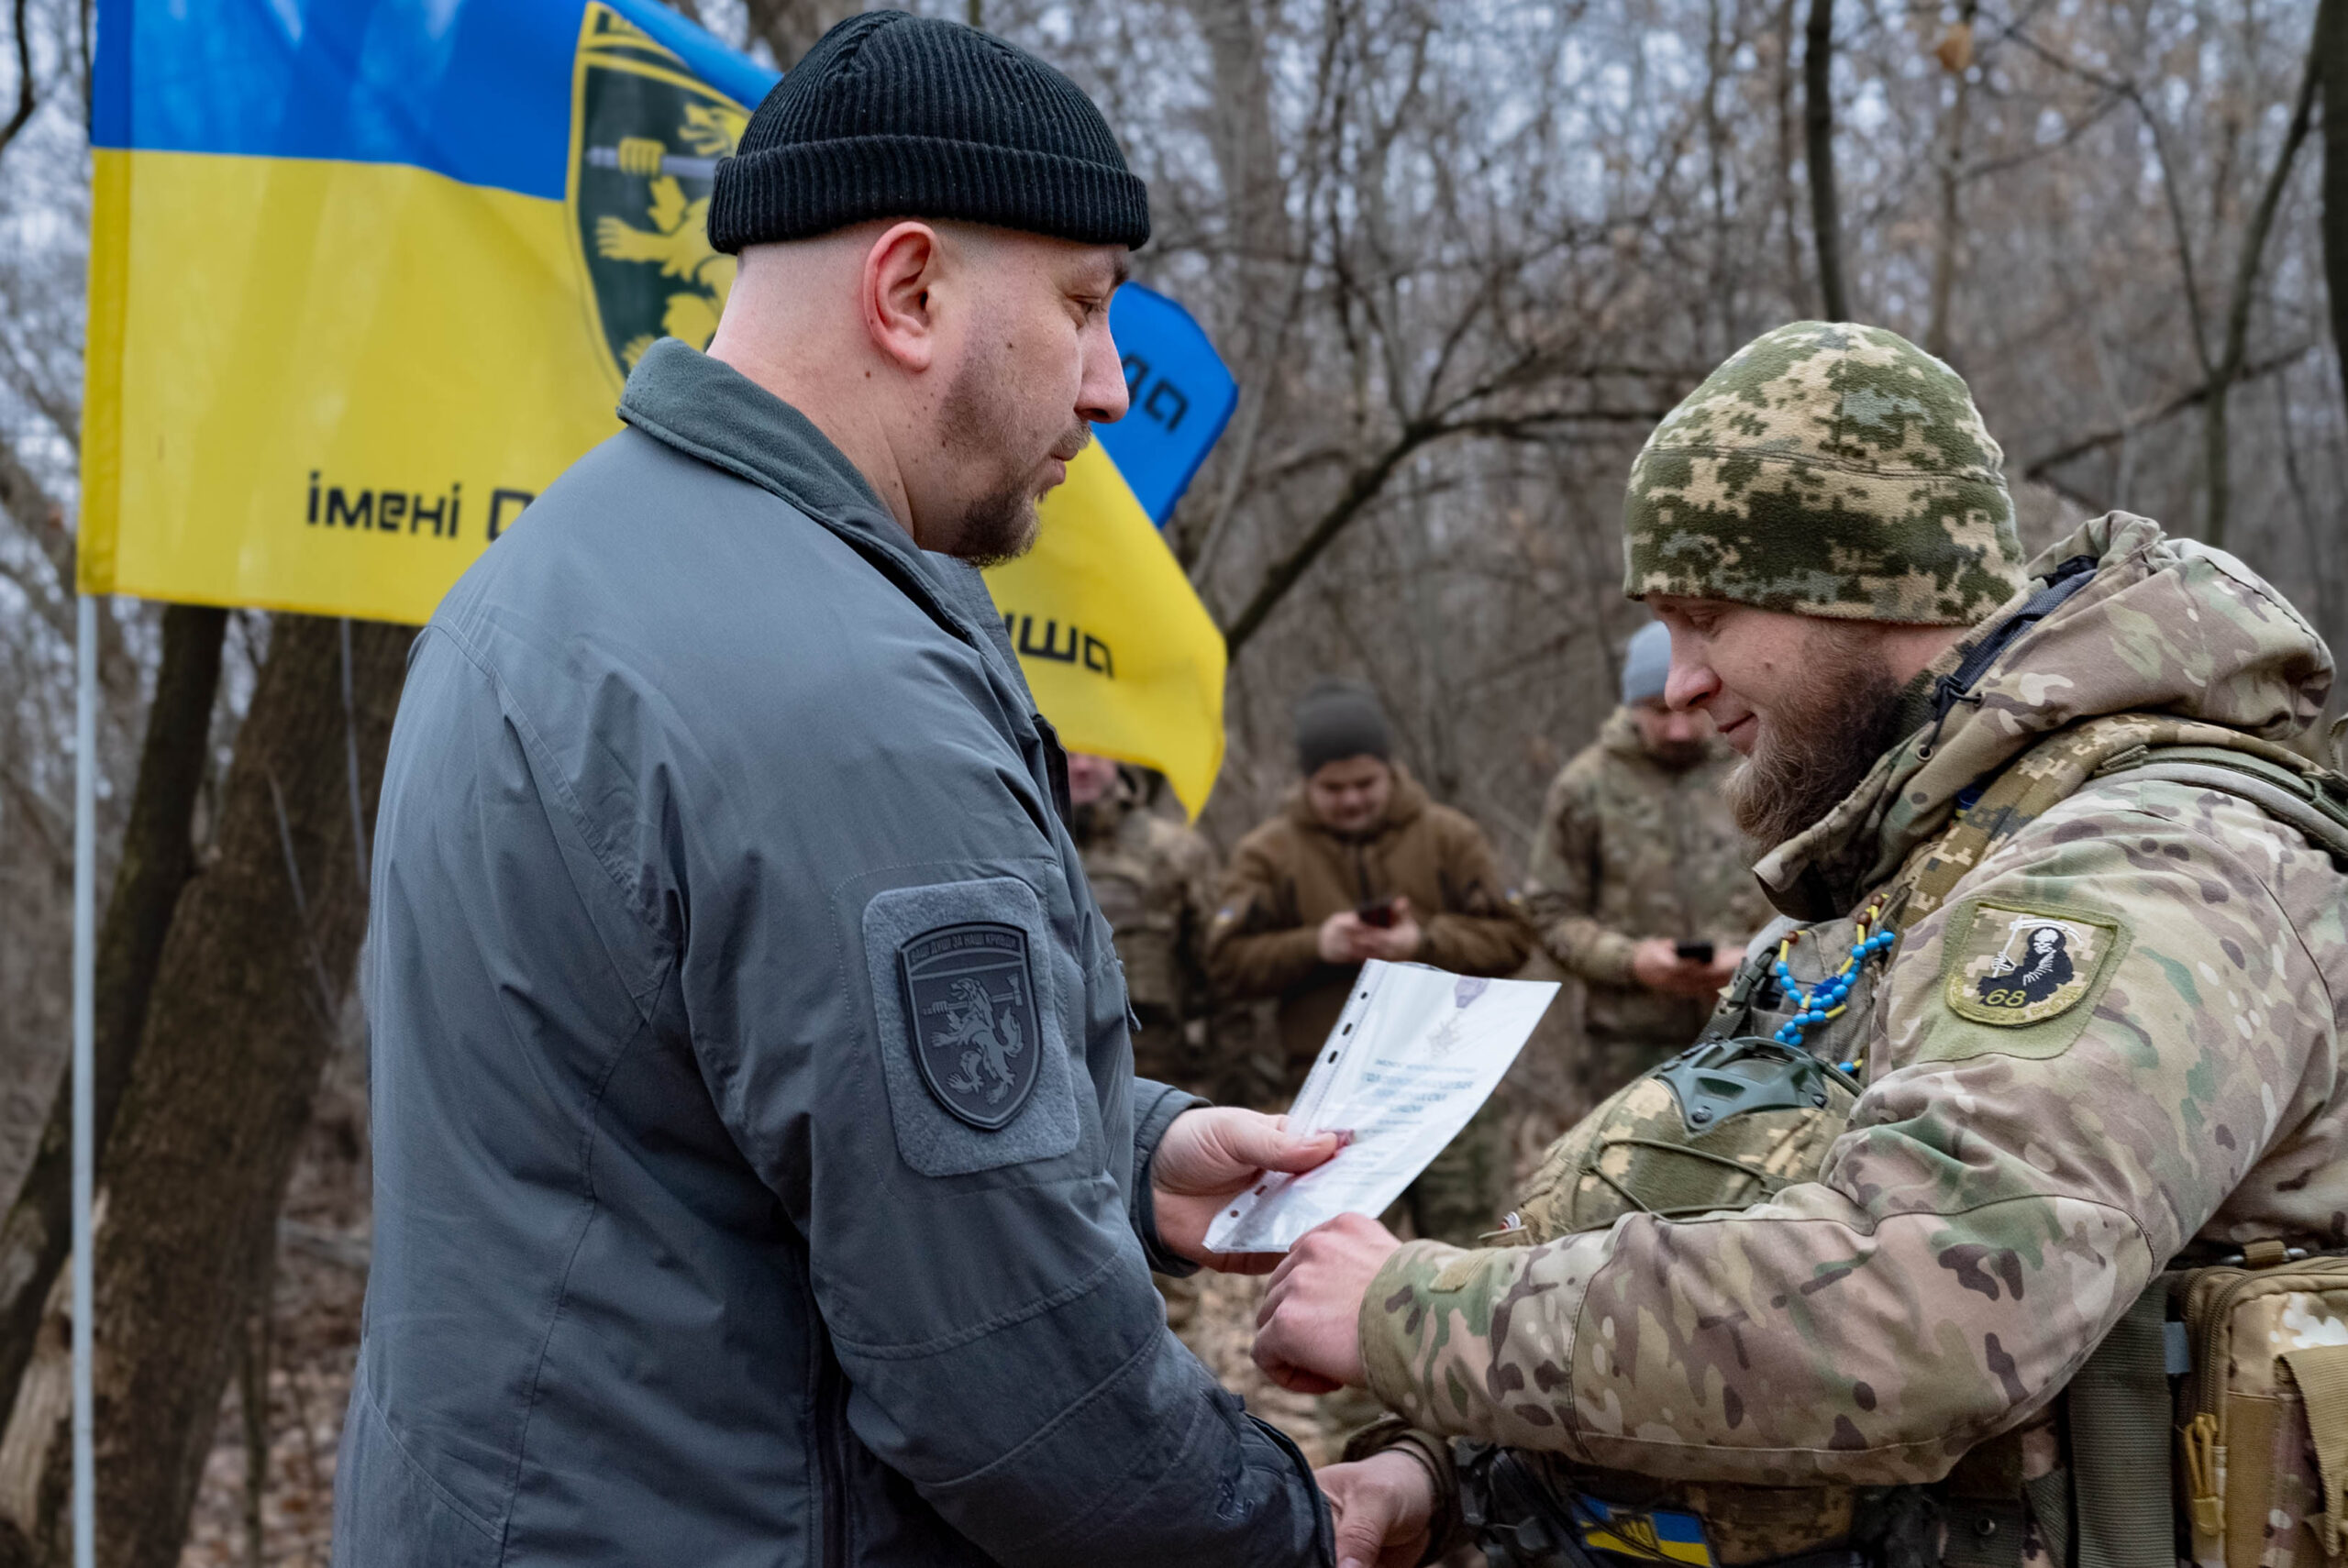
{"type": "Point", "coordinates": [1460, 256]}
{"type": "Point", "coordinates": [157, 858]}
{"type": "Point", "coordinates": [258, 951]}
{"type": "Point", "coordinates": [2217, 449]}
{"type": "Point", "coordinates": [789, 28]}
{"type": "Point", "coordinates": [1818, 123]}
{"type": "Point", "coordinates": [2330, 69]}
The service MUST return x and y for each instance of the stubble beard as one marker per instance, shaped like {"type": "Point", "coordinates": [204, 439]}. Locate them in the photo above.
{"type": "Point", "coordinates": [1820, 744]}
{"type": "Point", "coordinates": [976, 428]}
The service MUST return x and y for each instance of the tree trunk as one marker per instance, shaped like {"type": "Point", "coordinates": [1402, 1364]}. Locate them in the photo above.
{"type": "Point", "coordinates": [1244, 134]}
{"type": "Point", "coordinates": [221, 1087]}
{"type": "Point", "coordinates": [1818, 122]}
{"type": "Point", "coordinates": [789, 28]}
{"type": "Point", "coordinates": [1957, 57]}
{"type": "Point", "coordinates": [2331, 70]}
{"type": "Point", "coordinates": [2217, 449]}
{"type": "Point", "coordinates": [158, 858]}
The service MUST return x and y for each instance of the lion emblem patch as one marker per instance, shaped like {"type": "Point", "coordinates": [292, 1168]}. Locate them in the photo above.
{"type": "Point", "coordinates": [645, 137]}
{"type": "Point", "coordinates": [2011, 966]}
{"type": "Point", "coordinates": [976, 1035]}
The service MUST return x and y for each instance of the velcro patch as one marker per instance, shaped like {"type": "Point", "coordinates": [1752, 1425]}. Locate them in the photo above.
{"type": "Point", "coordinates": [967, 998]}
{"type": "Point", "coordinates": [2010, 967]}
{"type": "Point", "coordinates": [977, 1037]}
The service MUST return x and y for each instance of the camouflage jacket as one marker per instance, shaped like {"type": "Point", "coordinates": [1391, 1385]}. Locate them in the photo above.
{"type": "Point", "coordinates": [1628, 849]}
{"type": "Point", "coordinates": [2030, 1145]}
{"type": "Point", "coordinates": [1155, 880]}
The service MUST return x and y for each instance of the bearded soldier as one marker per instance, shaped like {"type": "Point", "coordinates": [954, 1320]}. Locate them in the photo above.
{"type": "Point", "coordinates": [2053, 1000]}
{"type": "Point", "coordinates": [1637, 883]}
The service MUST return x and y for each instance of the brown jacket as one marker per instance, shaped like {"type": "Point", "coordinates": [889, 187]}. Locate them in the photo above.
{"type": "Point", "coordinates": [1290, 874]}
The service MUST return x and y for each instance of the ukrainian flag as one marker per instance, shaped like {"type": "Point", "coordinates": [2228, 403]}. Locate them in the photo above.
{"type": "Point", "coordinates": [366, 275]}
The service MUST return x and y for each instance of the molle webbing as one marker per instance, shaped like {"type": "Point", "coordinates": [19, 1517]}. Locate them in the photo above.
{"type": "Point", "coordinates": [2058, 766]}
{"type": "Point", "coordinates": [2118, 1407]}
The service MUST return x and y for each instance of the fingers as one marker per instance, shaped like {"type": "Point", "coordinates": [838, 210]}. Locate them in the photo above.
{"type": "Point", "coordinates": [1295, 1379]}
{"type": "Point", "coordinates": [1255, 1142]}
{"type": "Point", "coordinates": [1243, 1262]}
{"type": "Point", "coordinates": [1298, 1154]}
{"type": "Point", "coordinates": [1368, 1515]}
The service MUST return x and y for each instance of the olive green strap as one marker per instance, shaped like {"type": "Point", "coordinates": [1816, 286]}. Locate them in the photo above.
{"type": "Point", "coordinates": [2025, 789]}
{"type": "Point", "coordinates": [2119, 1414]}
{"type": "Point", "coordinates": [2050, 1504]}
{"type": "Point", "coordinates": [2321, 1373]}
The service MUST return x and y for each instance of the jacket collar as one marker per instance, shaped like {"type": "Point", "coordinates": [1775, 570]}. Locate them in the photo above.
{"type": "Point", "coordinates": [700, 406]}
{"type": "Point", "coordinates": [682, 398]}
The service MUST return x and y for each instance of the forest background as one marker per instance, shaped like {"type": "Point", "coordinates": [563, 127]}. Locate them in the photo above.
{"type": "Point", "coordinates": [1461, 256]}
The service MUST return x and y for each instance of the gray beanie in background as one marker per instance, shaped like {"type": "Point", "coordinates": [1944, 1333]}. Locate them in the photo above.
{"type": "Point", "coordinates": [1647, 664]}
{"type": "Point", "coordinates": [1338, 719]}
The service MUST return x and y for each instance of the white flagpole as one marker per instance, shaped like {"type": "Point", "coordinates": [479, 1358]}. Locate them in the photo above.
{"type": "Point", "coordinates": [85, 991]}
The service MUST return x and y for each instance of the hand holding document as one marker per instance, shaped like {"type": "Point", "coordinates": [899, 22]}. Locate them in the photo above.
{"type": "Point", "coordinates": [1413, 1054]}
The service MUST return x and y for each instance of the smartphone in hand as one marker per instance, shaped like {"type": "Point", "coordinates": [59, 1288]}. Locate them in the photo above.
{"type": "Point", "coordinates": [1694, 952]}
{"type": "Point", "coordinates": [1379, 912]}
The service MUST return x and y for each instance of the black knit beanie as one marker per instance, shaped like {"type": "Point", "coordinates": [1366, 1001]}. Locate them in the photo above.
{"type": "Point", "coordinates": [892, 116]}
{"type": "Point", "coordinates": [1335, 719]}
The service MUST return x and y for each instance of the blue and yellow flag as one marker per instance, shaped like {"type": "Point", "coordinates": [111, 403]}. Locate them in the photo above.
{"type": "Point", "coordinates": [365, 278]}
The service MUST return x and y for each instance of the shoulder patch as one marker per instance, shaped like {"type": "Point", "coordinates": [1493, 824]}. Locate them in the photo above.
{"type": "Point", "coordinates": [970, 1002]}
{"type": "Point", "coordinates": [2010, 967]}
{"type": "Point", "coordinates": [977, 1036]}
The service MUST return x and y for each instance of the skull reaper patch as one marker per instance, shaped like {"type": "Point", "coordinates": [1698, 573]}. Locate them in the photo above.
{"type": "Point", "coordinates": [2013, 966]}
{"type": "Point", "coordinates": [976, 1035]}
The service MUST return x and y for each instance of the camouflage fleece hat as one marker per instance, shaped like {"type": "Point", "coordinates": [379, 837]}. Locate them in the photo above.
{"type": "Point", "coordinates": [1827, 469]}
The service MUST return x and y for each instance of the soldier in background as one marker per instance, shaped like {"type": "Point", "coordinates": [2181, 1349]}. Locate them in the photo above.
{"type": "Point", "coordinates": [1155, 880]}
{"type": "Point", "coordinates": [1639, 884]}
{"type": "Point", "coordinates": [1360, 864]}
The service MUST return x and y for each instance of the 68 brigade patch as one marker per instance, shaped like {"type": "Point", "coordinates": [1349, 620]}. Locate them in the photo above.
{"type": "Point", "coordinates": [2009, 967]}
{"type": "Point", "coordinates": [977, 1037]}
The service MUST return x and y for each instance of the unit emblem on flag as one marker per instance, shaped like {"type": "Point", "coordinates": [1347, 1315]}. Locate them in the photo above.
{"type": "Point", "coordinates": [645, 136]}
{"type": "Point", "coordinates": [976, 1035]}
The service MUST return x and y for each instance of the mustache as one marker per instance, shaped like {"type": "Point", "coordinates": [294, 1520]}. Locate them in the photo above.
{"type": "Point", "coordinates": [1075, 441]}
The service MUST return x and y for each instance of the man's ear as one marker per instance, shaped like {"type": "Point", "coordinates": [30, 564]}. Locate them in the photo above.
{"type": "Point", "coordinates": [900, 271]}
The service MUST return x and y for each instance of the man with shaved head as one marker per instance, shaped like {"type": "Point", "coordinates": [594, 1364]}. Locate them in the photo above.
{"type": "Point", "coordinates": [760, 1176]}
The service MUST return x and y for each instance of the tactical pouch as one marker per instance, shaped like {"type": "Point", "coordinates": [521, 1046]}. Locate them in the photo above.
{"type": "Point", "coordinates": [1724, 1124]}
{"type": "Point", "coordinates": [2262, 1415]}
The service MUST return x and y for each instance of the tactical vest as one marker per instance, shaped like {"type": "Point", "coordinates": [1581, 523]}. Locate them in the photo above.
{"type": "Point", "coordinates": [1738, 1117]}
